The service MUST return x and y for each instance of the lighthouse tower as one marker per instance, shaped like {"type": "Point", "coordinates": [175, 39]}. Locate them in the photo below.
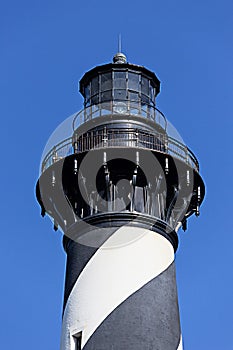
{"type": "Point", "coordinates": [119, 188]}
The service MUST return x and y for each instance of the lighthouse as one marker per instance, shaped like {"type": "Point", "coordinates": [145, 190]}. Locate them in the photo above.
{"type": "Point", "coordinates": [119, 187]}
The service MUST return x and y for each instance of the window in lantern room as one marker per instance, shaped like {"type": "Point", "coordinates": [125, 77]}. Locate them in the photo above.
{"type": "Point", "coordinates": [133, 81]}
{"type": "Point", "coordinates": [87, 95]}
{"type": "Point", "coordinates": [94, 86]}
{"type": "Point", "coordinates": [106, 81]}
{"type": "Point", "coordinates": [119, 80]}
{"type": "Point", "coordinates": [145, 86]}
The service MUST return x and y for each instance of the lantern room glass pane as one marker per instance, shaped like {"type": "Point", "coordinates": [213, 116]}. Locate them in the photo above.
{"type": "Point", "coordinates": [106, 81]}
{"type": "Point", "coordinates": [133, 81]}
{"type": "Point", "coordinates": [119, 75]}
{"type": "Point", "coordinates": [133, 96]}
{"type": "Point", "coordinates": [87, 92]}
{"type": "Point", "coordinates": [119, 94]}
{"type": "Point", "coordinates": [106, 96]}
{"type": "Point", "coordinates": [145, 99]}
{"type": "Point", "coordinates": [152, 93]}
{"type": "Point", "coordinates": [119, 81]}
{"type": "Point", "coordinates": [145, 86]}
{"type": "Point", "coordinates": [95, 86]}
{"type": "Point", "coordinates": [95, 99]}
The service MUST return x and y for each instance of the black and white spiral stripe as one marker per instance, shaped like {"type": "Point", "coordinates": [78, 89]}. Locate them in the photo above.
{"type": "Point", "coordinates": [122, 296]}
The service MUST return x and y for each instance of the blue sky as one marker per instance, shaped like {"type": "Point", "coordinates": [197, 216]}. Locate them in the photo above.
{"type": "Point", "coordinates": [46, 47]}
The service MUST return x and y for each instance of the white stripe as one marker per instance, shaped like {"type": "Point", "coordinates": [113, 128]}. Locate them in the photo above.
{"type": "Point", "coordinates": [180, 347]}
{"type": "Point", "coordinates": [111, 276]}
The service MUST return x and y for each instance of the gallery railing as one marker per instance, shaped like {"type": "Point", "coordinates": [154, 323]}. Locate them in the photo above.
{"type": "Point", "coordinates": [120, 138]}
{"type": "Point", "coordinates": [124, 107]}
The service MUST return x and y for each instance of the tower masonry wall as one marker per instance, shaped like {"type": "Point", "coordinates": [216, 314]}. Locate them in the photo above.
{"type": "Point", "coordinates": [122, 295]}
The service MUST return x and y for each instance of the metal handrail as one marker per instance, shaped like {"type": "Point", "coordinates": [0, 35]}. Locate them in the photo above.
{"type": "Point", "coordinates": [159, 142]}
{"type": "Point", "coordinates": [190, 157]}
{"type": "Point", "coordinates": [121, 107]}
{"type": "Point", "coordinates": [59, 151]}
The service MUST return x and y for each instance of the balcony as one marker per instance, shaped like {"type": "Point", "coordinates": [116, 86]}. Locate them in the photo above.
{"type": "Point", "coordinates": [157, 139]}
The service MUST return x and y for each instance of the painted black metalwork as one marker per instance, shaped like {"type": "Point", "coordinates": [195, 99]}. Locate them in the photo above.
{"type": "Point", "coordinates": [120, 120]}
